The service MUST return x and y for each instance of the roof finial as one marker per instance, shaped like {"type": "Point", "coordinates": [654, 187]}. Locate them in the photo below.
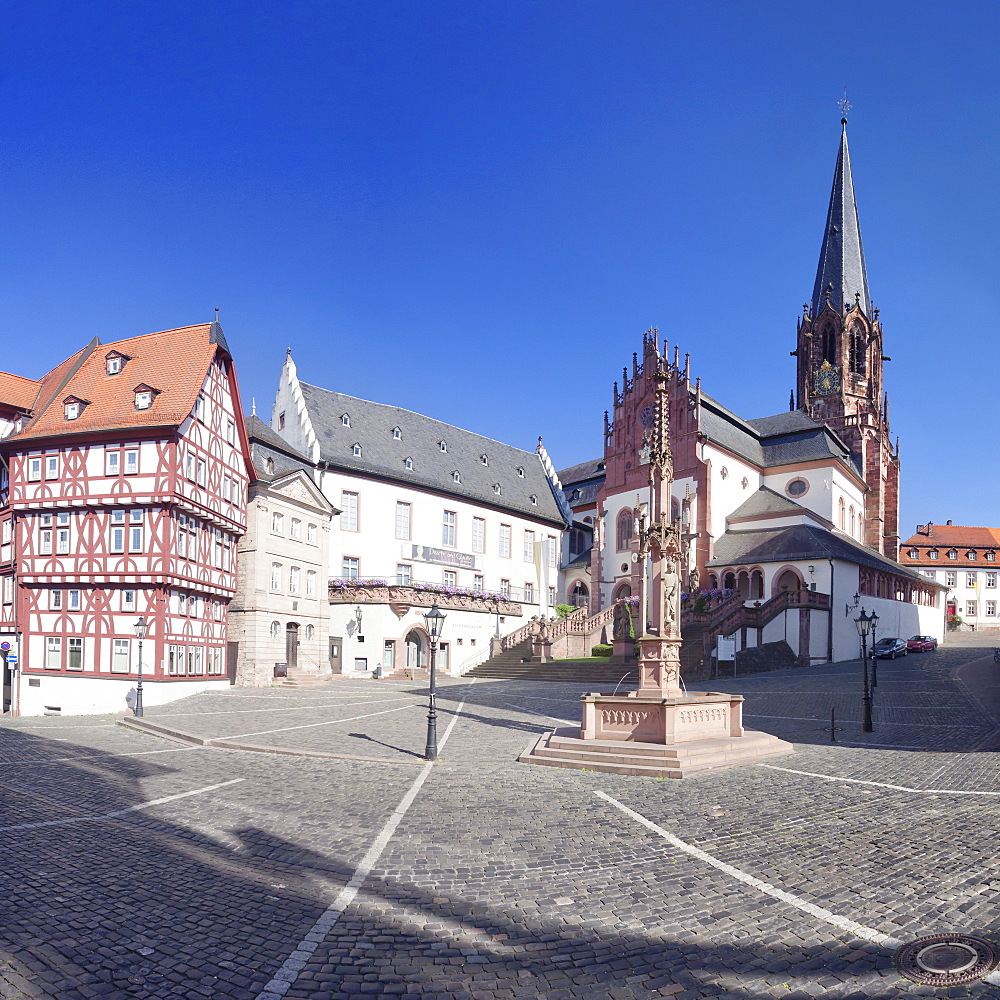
{"type": "Point", "coordinates": [216, 314]}
{"type": "Point", "coordinates": [288, 352]}
{"type": "Point", "coordinates": [845, 106]}
{"type": "Point", "coordinates": [253, 406]}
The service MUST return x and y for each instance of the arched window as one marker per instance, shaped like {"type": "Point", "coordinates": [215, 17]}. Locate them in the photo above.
{"type": "Point", "coordinates": [842, 510]}
{"type": "Point", "coordinates": [729, 581]}
{"type": "Point", "coordinates": [828, 340]}
{"type": "Point", "coordinates": [850, 517]}
{"type": "Point", "coordinates": [624, 530]}
{"type": "Point", "coordinates": [858, 349]}
{"type": "Point", "coordinates": [275, 629]}
{"type": "Point", "coordinates": [756, 585]}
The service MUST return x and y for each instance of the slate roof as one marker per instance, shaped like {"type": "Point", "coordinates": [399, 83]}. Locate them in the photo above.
{"type": "Point", "coordinates": [268, 444]}
{"type": "Point", "coordinates": [797, 542]}
{"type": "Point", "coordinates": [766, 501]}
{"type": "Point", "coordinates": [782, 439]}
{"type": "Point", "coordinates": [594, 469]}
{"type": "Point", "coordinates": [842, 256]}
{"type": "Point", "coordinates": [173, 362]}
{"type": "Point", "coordinates": [371, 426]}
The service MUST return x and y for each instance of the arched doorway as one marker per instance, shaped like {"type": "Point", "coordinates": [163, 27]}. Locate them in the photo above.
{"type": "Point", "coordinates": [416, 650]}
{"type": "Point", "coordinates": [756, 585]}
{"type": "Point", "coordinates": [743, 584]}
{"type": "Point", "coordinates": [623, 590]}
{"type": "Point", "coordinates": [729, 581]}
{"type": "Point", "coordinates": [292, 645]}
{"type": "Point", "coordinates": [580, 595]}
{"type": "Point", "coordinates": [789, 580]}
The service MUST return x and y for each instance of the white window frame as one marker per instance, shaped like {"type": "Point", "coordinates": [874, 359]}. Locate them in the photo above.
{"type": "Point", "coordinates": [276, 574]}
{"type": "Point", "coordinates": [74, 651]}
{"type": "Point", "coordinates": [505, 536]}
{"type": "Point", "coordinates": [348, 510]}
{"type": "Point", "coordinates": [121, 652]}
{"type": "Point", "coordinates": [53, 652]}
{"type": "Point", "coordinates": [294, 574]}
{"type": "Point", "coordinates": [351, 568]}
{"type": "Point", "coordinates": [310, 583]}
{"type": "Point", "coordinates": [448, 526]}
{"type": "Point", "coordinates": [529, 546]}
{"type": "Point", "coordinates": [479, 534]}
{"type": "Point", "coordinates": [404, 574]}
{"type": "Point", "coordinates": [35, 470]}
{"type": "Point", "coordinates": [403, 514]}
{"type": "Point", "coordinates": [131, 461]}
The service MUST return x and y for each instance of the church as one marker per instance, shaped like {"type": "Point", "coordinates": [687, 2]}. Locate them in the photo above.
{"type": "Point", "coordinates": [790, 522]}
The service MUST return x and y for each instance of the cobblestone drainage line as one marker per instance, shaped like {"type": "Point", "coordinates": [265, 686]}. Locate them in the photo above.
{"type": "Point", "coordinates": [944, 960]}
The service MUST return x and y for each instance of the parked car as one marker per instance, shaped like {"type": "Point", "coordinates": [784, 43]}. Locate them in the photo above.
{"type": "Point", "coordinates": [889, 648]}
{"type": "Point", "coordinates": [921, 643]}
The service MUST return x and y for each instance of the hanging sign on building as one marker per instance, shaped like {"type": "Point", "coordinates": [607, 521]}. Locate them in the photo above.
{"type": "Point", "coordinates": [445, 557]}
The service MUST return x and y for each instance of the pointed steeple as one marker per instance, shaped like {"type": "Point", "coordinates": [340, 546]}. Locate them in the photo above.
{"type": "Point", "coordinates": [841, 269]}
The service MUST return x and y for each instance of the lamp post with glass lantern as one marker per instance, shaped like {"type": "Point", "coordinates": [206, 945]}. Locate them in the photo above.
{"type": "Point", "coordinates": [864, 624]}
{"type": "Point", "coordinates": [874, 618]}
{"type": "Point", "coordinates": [140, 627]}
{"type": "Point", "coordinates": [433, 621]}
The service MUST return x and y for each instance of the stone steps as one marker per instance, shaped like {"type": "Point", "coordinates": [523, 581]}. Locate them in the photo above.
{"type": "Point", "coordinates": [564, 748]}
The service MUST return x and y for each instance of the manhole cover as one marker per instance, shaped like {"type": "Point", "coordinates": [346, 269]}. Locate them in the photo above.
{"type": "Point", "coordinates": [947, 959]}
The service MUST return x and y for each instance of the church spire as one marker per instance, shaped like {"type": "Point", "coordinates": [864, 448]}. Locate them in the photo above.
{"type": "Point", "coordinates": [841, 271]}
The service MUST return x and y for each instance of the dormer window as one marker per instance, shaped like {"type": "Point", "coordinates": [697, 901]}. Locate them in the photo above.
{"type": "Point", "coordinates": [520, 471]}
{"type": "Point", "coordinates": [456, 477]}
{"type": "Point", "coordinates": [575, 496]}
{"type": "Point", "coordinates": [952, 554]}
{"type": "Point", "coordinates": [356, 448]}
{"type": "Point", "coordinates": [345, 419]}
{"type": "Point", "coordinates": [990, 556]}
{"type": "Point", "coordinates": [913, 553]}
{"type": "Point", "coordinates": [932, 554]}
{"type": "Point", "coordinates": [73, 407]}
{"type": "Point", "coordinates": [144, 396]}
{"type": "Point", "coordinates": [485, 459]}
{"type": "Point", "coordinates": [443, 445]}
{"type": "Point", "coordinates": [397, 434]}
{"type": "Point", "coordinates": [114, 362]}
{"type": "Point", "coordinates": [971, 554]}
{"type": "Point", "coordinates": [496, 489]}
{"type": "Point", "coordinates": [534, 500]}
{"type": "Point", "coordinates": [269, 466]}
{"type": "Point", "coordinates": [408, 463]}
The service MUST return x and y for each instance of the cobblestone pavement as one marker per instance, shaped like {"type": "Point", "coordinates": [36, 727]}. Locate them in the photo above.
{"type": "Point", "coordinates": [135, 867]}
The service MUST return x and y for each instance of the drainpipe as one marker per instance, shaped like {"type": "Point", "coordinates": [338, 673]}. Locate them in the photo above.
{"type": "Point", "coordinates": [829, 619]}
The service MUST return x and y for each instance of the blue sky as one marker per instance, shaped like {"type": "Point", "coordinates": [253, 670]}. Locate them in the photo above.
{"type": "Point", "coordinates": [474, 209]}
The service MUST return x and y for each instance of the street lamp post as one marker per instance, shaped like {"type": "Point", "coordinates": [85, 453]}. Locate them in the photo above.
{"type": "Point", "coordinates": [874, 618]}
{"type": "Point", "coordinates": [864, 624]}
{"type": "Point", "coordinates": [140, 627]}
{"type": "Point", "coordinates": [433, 620]}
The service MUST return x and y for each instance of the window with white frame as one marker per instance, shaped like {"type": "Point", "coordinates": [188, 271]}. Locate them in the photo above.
{"type": "Point", "coordinates": [310, 583]}
{"type": "Point", "coordinates": [143, 399]}
{"type": "Point", "coordinates": [504, 541]}
{"type": "Point", "coordinates": [176, 660]}
{"type": "Point", "coordinates": [448, 529]}
{"type": "Point", "coordinates": [72, 600]}
{"type": "Point", "coordinates": [131, 461]}
{"type": "Point", "coordinates": [990, 556]}
{"type": "Point", "coordinates": [195, 658]}
{"type": "Point", "coordinates": [199, 407]}
{"type": "Point", "coordinates": [310, 632]}
{"type": "Point", "coordinates": [403, 574]}
{"type": "Point", "coordinates": [450, 578]}
{"type": "Point", "coordinates": [230, 432]}
{"type": "Point", "coordinates": [192, 538]}
{"type": "Point", "coordinates": [120, 655]}
{"type": "Point", "coordinates": [991, 579]}
{"type": "Point", "coordinates": [112, 462]}
{"type": "Point", "coordinates": [505, 588]}
{"type": "Point", "coordinates": [117, 532]}
{"type": "Point", "coordinates": [275, 576]}
{"type": "Point", "coordinates": [63, 540]}
{"type": "Point", "coordinates": [113, 365]}
{"type": "Point", "coordinates": [971, 555]}
{"type": "Point", "coordinates": [970, 579]}
{"type": "Point", "coordinates": [6, 531]}
{"type": "Point", "coordinates": [970, 608]}
{"type": "Point", "coordinates": [952, 554]}
{"type": "Point", "coordinates": [219, 548]}
{"type": "Point", "coordinates": [477, 582]}
{"type": "Point", "coordinates": [529, 546]}
{"type": "Point", "coordinates": [552, 596]}
{"type": "Point", "coordinates": [53, 652]}
{"type": "Point", "coordinates": [277, 523]}
{"type": "Point", "coordinates": [202, 472]}
{"type": "Point", "coordinates": [351, 568]}
{"type": "Point", "coordinates": [991, 608]}
{"type": "Point", "coordinates": [71, 411]}
{"type": "Point", "coordinates": [45, 534]}
{"type": "Point", "coordinates": [348, 511]}
{"type": "Point", "coordinates": [294, 572]}
{"type": "Point", "coordinates": [74, 653]}
{"type": "Point", "coordinates": [529, 592]}
{"type": "Point", "coordinates": [8, 590]}
{"type": "Point", "coordinates": [932, 554]}
{"type": "Point", "coordinates": [136, 531]}
{"type": "Point", "coordinates": [51, 466]}
{"type": "Point", "coordinates": [478, 534]}
{"type": "Point", "coordinates": [34, 470]}
{"type": "Point", "coordinates": [310, 534]}
{"type": "Point", "coordinates": [550, 547]}
{"type": "Point", "coordinates": [949, 579]}
{"type": "Point", "coordinates": [55, 600]}
{"type": "Point", "coordinates": [214, 660]}
{"type": "Point", "coordinates": [128, 599]}
{"type": "Point", "coordinates": [193, 605]}
{"type": "Point", "coordinates": [295, 528]}
{"type": "Point", "coordinates": [402, 519]}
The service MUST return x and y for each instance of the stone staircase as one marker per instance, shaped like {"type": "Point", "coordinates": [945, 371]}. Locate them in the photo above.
{"type": "Point", "coordinates": [299, 677]}
{"type": "Point", "coordinates": [514, 664]}
{"type": "Point", "coordinates": [564, 748]}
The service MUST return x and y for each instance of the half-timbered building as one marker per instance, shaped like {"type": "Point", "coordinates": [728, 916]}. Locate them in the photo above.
{"type": "Point", "coordinates": [125, 496]}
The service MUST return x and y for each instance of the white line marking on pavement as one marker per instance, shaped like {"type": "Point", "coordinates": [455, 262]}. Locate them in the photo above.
{"type": "Point", "coordinates": [844, 923]}
{"type": "Point", "coordinates": [122, 812]}
{"type": "Point", "coordinates": [878, 784]}
{"type": "Point", "coordinates": [285, 977]}
{"type": "Point", "coordinates": [542, 715]}
{"type": "Point", "coordinates": [313, 725]}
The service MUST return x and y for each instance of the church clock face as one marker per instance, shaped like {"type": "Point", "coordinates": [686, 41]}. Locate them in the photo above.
{"type": "Point", "coordinates": [647, 416]}
{"type": "Point", "coordinates": [826, 380]}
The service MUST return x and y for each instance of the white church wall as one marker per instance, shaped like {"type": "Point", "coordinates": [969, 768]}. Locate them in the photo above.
{"type": "Point", "coordinates": [728, 475]}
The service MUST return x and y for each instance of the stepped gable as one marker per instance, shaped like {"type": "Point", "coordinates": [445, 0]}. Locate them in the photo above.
{"type": "Point", "coordinates": [171, 362]}
{"type": "Point", "coordinates": [371, 426]}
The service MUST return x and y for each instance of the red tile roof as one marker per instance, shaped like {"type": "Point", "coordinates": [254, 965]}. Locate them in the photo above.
{"type": "Point", "coordinates": [175, 362]}
{"type": "Point", "coordinates": [949, 536]}
{"type": "Point", "coordinates": [17, 391]}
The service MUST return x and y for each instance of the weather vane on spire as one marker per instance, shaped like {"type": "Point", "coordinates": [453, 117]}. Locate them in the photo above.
{"type": "Point", "coordinates": [845, 104]}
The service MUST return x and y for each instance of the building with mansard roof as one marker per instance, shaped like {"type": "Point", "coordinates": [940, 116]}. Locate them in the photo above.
{"type": "Point", "coordinates": [797, 512]}
{"type": "Point", "coordinates": [429, 512]}
{"type": "Point", "coordinates": [122, 496]}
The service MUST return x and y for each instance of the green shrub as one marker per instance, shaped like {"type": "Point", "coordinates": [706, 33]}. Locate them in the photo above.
{"type": "Point", "coordinates": [601, 649]}
{"type": "Point", "coordinates": [562, 610]}
{"type": "Point", "coordinates": [699, 604]}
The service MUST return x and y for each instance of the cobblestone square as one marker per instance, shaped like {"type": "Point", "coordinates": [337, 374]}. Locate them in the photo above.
{"type": "Point", "coordinates": [137, 866]}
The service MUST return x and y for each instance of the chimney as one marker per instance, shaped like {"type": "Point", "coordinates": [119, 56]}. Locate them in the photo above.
{"type": "Point", "coordinates": [948, 522]}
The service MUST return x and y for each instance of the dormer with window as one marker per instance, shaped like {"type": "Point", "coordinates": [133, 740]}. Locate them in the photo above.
{"type": "Point", "coordinates": [952, 553]}
{"type": "Point", "coordinates": [456, 476]}
{"type": "Point", "coordinates": [520, 471]}
{"type": "Point", "coordinates": [114, 362]}
{"type": "Point", "coordinates": [144, 396]}
{"type": "Point", "coordinates": [443, 445]}
{"type": "Point", "coordinates": [533, 499]}
{"type": "Point", "coordinates": [73, 406]}
{"type": "Point", "coordinates": [971, 555]}
{"type": "Point", "coordinates": [913, 553]}
{"type": "Point", "coordinates": [990, 556]}
{"type": "Point", "coordinates": [397, 434]}
{"type": "Point", "coordinates": [356, 449]}
{"type": "Point", "coordinates": [932, 553]}
{"type": "Point", "coordinates": [408, 463]}
{"type": "Point", "coordinates": [485, 459]}
{"type": "Point", "coordinates": [345, 419]}
{"type": "Point", "coordinates": [497, 489]}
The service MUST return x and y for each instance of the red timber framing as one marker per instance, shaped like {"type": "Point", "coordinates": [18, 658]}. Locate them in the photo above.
{"type": "Point", "coordinates": [129, 505]}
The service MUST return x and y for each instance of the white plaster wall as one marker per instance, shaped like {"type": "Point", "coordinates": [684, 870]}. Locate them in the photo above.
{"type": "Point", "coordinates": [728, 493]}
{"type": "Point", "coordinates": [97, 696]}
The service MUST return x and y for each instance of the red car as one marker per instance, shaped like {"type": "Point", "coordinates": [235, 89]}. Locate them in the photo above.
{"type": "Point", "coordinates": [921, 643]}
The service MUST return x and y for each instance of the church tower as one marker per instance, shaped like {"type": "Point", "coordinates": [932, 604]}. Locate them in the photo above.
{"type": "Point", "coordinates": [839, 359]}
